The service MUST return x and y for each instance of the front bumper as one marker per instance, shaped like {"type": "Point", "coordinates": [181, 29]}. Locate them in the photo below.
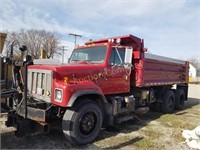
{"type": "Point", "coordinates": [35, 114]}
{"type": "Point", "coordinates": [25, 126]}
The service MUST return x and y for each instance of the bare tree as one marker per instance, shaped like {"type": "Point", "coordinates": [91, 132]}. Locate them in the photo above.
{"type": "Point", "coordinates": [195, 62]}
{"type": "Point", "coordinates": [35, 40]}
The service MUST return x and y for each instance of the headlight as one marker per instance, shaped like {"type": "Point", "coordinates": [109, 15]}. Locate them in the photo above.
{"type": "Point", "coordinates": [27, 58]}
{"type": "Point", "coordinates": [58, 95]}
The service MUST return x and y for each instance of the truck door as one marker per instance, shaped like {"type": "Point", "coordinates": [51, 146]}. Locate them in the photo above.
{"type": "Point", "coordinates": [116, 76]}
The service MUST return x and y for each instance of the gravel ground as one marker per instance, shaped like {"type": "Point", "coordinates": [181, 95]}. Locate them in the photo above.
{"type": "Point", "coordinates": [155, 131]}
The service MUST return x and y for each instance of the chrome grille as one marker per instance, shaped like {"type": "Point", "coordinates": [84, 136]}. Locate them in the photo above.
{"type": "Point", "coordinates": [40, 84]}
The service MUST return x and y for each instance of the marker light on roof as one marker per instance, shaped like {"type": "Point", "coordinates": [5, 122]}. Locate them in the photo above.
{"type": "Point", "coordinates": [118, 40]}
{"type": "Point", "coordinates": [111, 40]}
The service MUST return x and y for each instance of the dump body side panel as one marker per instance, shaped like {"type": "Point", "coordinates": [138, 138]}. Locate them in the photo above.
{"type": "Point", "coordinates": [153, 70]}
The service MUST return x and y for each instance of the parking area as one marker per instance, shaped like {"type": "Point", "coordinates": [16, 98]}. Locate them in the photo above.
{"type": "Point", "coordinates": [154, 131]}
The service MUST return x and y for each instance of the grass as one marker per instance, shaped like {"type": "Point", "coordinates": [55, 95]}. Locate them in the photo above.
{"type": "Point", "coordinates": [151, 132]}
{"type": "Point", "coordinates": [113, 141]}
{"type": "Point", "coordinates": [177, 135]}
{"type": "Point", "coordinates": [171, 120]}
{"type": "Point", "coordinates": [187, 119]}
{"type": "Point", "coordinates": [145, 141]}
{"type": "Point", "coordinates": [145, 144]}
{"type": "Point", "coordinates": [179, 121]}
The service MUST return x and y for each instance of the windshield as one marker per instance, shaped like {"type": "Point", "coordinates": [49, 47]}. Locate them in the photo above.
{"type": "Point", "coordinates": [91, 54]}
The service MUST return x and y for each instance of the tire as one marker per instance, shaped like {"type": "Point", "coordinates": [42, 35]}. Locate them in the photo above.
{"type": "Point", "coordinates": [82, 124]}
{"type": "Point", "coordinates": [180, 99]}
{"type": "Point", "coordinates": [168, 102]}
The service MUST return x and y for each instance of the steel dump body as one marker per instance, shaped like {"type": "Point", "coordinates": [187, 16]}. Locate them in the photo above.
{"type": "Point", "coordinates": [153, 70]}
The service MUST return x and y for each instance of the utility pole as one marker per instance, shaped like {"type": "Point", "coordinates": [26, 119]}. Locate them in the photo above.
{"type": "Point", "coordinates": [63, 48]}
{"type": "Point", "coordinates": [75, 36]}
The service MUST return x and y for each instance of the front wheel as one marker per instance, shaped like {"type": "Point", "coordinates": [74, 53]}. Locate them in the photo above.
{"type": "Point", "coordinates": [81, 125]}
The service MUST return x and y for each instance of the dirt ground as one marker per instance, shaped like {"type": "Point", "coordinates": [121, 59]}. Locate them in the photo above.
{"type": "Point", "coordinates": [155, 131]}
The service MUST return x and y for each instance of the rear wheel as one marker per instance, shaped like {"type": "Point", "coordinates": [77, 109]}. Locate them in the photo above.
{"type": "Point", "coordinates": [180, 99]}
{"type": "Point", "coordinates": [168, 102]}
{"type": "Point", "coordinates": [82, 124]}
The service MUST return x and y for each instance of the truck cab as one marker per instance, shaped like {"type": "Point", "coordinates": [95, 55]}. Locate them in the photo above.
{"type": "Point", "coordinates": [98, 67]}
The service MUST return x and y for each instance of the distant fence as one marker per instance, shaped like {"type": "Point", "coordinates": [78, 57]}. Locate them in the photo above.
{"type": "Point", "coordinates": [194, 79]}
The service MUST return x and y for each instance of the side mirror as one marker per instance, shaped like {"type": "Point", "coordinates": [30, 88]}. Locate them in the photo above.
{"type": "Point", "coordinates": [128, 55]}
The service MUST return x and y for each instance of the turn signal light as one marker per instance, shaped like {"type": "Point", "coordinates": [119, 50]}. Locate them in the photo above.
{"type": "Point", "coordinates": [66, 79]}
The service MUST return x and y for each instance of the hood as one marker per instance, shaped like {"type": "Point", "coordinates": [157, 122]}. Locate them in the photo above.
{"type": "Point", "coordinates": [72, 68]}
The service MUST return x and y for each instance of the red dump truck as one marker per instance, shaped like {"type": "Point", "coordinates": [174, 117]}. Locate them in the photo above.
{"type": "Point", "coordinates": [106, 81]}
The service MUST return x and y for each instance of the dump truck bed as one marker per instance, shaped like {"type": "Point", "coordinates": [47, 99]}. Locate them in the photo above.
{"type": "Point", "coordinates": [154, 70]}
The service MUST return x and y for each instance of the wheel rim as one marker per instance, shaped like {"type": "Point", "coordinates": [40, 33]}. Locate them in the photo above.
{"type": "Point", "coordinates": [88, 123]}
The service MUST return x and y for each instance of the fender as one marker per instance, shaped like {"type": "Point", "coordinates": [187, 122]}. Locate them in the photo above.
{"type": "Point", "coordinates": [85, 88]}
{"type": "Point", "coordinates": [82, 93]}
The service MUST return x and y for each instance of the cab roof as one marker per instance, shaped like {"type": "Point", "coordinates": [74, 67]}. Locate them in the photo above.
{"type": "Point", "coordinates": [129, 40]}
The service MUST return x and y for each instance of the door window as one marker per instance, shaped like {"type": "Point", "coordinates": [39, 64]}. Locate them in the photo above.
{"type": "Point", "coordinates": [117, 56]}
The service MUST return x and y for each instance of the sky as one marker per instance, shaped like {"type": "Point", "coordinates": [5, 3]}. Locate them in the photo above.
{"type": "Point", "coordinates": [169, 28]}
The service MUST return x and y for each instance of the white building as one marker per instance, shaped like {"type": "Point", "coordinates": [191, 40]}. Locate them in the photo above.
{"type": "Point", "coordinates": [192, 71]}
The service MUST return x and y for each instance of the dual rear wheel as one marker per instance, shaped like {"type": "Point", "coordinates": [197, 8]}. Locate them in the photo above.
{"type": "Point", "coordinates": [172, 100]}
